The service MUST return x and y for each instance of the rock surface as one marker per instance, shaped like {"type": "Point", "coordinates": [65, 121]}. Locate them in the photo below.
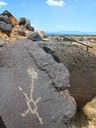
{"type": "Point", "coordinates": [50, 51]}
{"type": "Point", "coordinates": [30, 88]}
{"type": "Point", "coordinates": [30, 28]}
{"type": "Point", "coordinates": [81, 64]}
{"type": "Point", "coordinates": [21, 32]}
{"type": "Point", "coordinates": [11, 17]}
{"type": "Point", "coordinates": [5, 28]}
{"type": "Point", "coordinates": [42, 34]}
{"type": "Point", "coordinates": [5, 19]}
{"type": "Point", "coordinates": [22, 21]}
{"type": "Point", "coordinates": [2, 43]}
{"type": "Point", "coordinates": [35, 37]}
{"type": "Point", "coordinates": [26, 23]}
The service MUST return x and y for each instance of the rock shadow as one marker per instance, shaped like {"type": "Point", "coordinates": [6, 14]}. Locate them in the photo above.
{"type": "Point", "coordinates": [2, 124]}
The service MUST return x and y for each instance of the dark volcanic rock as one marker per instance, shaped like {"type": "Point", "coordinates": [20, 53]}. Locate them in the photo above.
{"type": "Point", "coordinates": [21, 32]}
{"type": "Point", "coordinates": [6, 13]}
{"type": "Point", "coordinates": [81, 64]}
{"type": "Point", "coordinates": [49, 51]}
{"type": "Point", "coordinates": [11, 17]}
{"type": "Point", "coordinates": [5, 19]}
{"type": "Point", "coordinates": [6, 28]}
{"type": "Point", "coordinates": [30, 28]}
{"type": "Point", "coordinates": [28, 22]}
{"type": "Point", "coordinates": [2, 125]}
{"type": "Point", "coordinates": [2, 25]}
{"type": "Point", "coordinates": [35, 37]}
{"type": "Point", "coordinates": [29, 82]}
{"type": "Point", "coordinates": [22, 21]}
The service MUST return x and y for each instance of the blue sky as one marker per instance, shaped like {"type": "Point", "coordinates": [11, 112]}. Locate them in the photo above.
{"type": "Point", "coordinates": [55, 15]}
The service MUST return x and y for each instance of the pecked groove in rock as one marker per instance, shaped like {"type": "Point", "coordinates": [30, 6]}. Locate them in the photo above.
{"type": "Point", "coordinates": [27, 96]}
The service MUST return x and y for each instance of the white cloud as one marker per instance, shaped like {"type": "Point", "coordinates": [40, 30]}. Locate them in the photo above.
{"type": "Point", "coordinates": [55, 2]}
{"type": "Point", "coordinates": [2, 3]}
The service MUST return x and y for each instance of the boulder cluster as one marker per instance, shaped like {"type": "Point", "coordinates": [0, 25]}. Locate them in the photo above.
{"type": "Point", "coordinates": [33, 83]}
{"type": "Point", "coordinates": [11, 29]}
{"type": "Point", "coordinates": [33, 88]}
{"type": "Point", "coordinates": [7, 22]}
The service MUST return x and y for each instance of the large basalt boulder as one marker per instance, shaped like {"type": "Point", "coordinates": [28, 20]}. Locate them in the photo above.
{"type": "Point", "coordinates": [6, 28]}
{"type": "Point", "coordinates": [12, 18]}
{"type": "Point", "coordinates": [5, 19]}
{"type": "Point", "coordinates": [30, 88]}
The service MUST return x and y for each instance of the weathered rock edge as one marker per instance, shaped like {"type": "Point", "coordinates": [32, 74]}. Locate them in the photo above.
{"type": "Point", "coordinates": [30, 88]}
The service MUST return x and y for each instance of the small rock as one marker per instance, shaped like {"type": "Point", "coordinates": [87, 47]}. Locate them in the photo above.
{"type": "Point", "coordinates": [2, 43]}
{"type": "Point", "coordinates": [35, 37]}
{"type": "Point", "coordinates": [22, 21]}
{"type": "Point", "coordinates": [42, 34]}
{"type": "Point", "coordinates": [27, 22]}
{"type": "Point", "coordinates": [30, 28]}
{"type": "Point", "coordinates": [21, 32]}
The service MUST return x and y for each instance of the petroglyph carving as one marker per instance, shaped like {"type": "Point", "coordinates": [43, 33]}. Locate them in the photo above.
{"type": "Point", "coordinates": [30, 102]}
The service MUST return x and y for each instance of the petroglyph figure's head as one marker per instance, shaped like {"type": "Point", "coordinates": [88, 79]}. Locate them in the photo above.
{"type": "Point", "coordinates": [32, 72]}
